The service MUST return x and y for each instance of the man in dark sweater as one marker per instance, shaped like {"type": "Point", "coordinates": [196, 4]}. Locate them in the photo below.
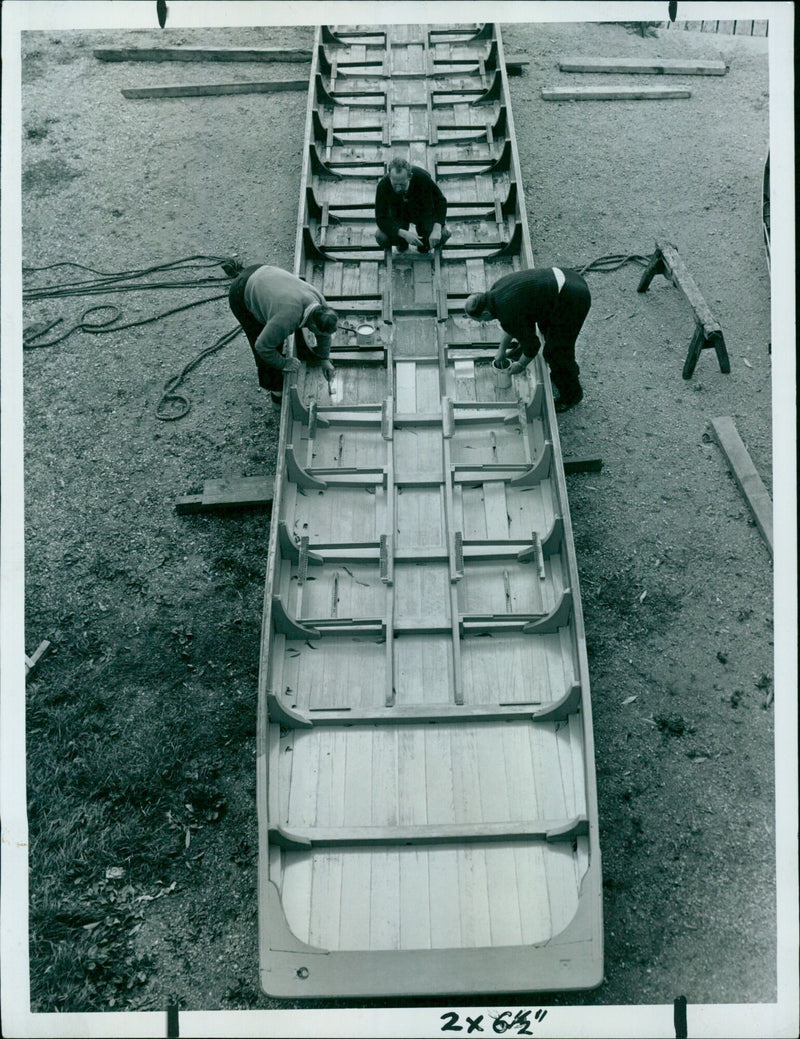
{"type": "Point", "coordinates": [557, 301]}
{"type": "Point", "coordinates": [270, 304]}
{"type": "Point", "coordinates": [408, 195]}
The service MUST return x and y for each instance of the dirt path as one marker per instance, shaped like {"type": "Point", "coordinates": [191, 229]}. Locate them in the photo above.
{"type": "Point", "coordinates": [141, 726]}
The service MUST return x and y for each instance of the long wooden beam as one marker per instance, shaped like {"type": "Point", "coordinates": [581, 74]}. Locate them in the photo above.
{"type": "Point", "coordinates": [214, 89]}
{"type": "Point", "coordinates": [653, 67]}
{"type": "Point", "coordinates": [616, 93]}
{"type": "Point", "coordinates": [745, 474]}
{"type": "Point", "coordinates": [201, 54]}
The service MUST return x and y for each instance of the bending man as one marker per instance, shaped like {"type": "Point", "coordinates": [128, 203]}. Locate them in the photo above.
{"type": "Point", "coordinates": [408, 195]}
{"type": "Point", "coordinates": [557, 301]}
{"type": "Point", "coordinates": [270, 304]}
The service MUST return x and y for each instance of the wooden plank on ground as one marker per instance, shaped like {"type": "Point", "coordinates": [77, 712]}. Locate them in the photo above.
{"type": "Point", "coordinates": [215, 89]}
{"type": "Point", "coordinates": [652, 66]}
{"type": "Point", "coordinates": [582, 464]}
{"type": "Point", "coordinates": [41, 650]}
{"type": "Point", "coordinates": [745, 474]}
{"type": "Point", "coordinates": [616, 93]}
{"type": "Point", "coordinates": [516, 64]}
{"type": "Point", "coordinates": [230, 492]}
{"type": "Point", "coordinates": [201, 54]}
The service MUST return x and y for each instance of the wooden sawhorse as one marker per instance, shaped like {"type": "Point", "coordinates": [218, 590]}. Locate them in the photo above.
{"type": "Point", "coordinates": [707, 332]}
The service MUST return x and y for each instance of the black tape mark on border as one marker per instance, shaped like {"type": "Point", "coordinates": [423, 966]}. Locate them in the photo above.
{"type": "Point", "coordinates": [173, 1028]}
{"type": "Point", "coordinates": [161, 12]}
{"type": "Point", "coordinates": [679, 1018]}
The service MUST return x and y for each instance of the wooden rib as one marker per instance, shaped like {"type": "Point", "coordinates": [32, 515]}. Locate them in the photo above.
{"type": "Point", "coordinates": [562, 708]}
{"type": "Point", "coordinates": [539, 471]}
{"type": "Point", "coordinates": [286, 716]}
{"type": "Point", "coordinates": [557, 617]}
{"type": "Point", "coordinates": [298, 475]}
{"type": "Point", "coordinates": [552, 541]}
{"type": "Point", "coordinates": [285, 624]}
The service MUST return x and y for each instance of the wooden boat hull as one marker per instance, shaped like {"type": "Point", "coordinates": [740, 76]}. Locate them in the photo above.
{"type": "Point", "coordinates": [426, 790]}
{"type": "Point", "coordinates": [765, 212]}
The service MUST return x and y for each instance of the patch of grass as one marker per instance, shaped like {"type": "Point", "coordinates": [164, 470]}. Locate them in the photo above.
{"type": "Point", "coordinates": [130, 745]}
{"type": "Point", "coordinates": [81, 958]}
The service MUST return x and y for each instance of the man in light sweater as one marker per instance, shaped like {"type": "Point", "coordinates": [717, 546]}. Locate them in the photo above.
{"type": "Point", "coordinates": [270, 304]}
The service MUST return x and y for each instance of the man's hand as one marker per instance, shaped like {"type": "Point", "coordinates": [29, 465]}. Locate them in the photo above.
{"type": "Point", "coordinates": [519, 366]}
{"type": "Point", "coordinates": [291, 365]}
{"type": "Point", "coordinates": [410, 236]}
{"type": "Point", "coordinates": [435, 235]}
{"type": "Point", "coordinates": [328, 371]}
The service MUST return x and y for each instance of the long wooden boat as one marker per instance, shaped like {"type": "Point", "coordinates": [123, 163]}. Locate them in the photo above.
{"type": "Point", "coordinates": [765, 214]}
{"type": "Point", "coordinates": [426, 788]}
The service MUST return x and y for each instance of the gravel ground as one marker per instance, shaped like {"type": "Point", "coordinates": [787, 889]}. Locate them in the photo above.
{"type": "Point", "coordinates": [676, 581]}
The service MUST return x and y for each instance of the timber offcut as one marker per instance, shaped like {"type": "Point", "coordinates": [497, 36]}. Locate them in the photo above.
{"type": "Point", "coordinates": [426, 787]}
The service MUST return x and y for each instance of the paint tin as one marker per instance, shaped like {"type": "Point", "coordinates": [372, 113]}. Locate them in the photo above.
{"type": "Point", "coordinates": [502, 373]}
{"type": "Point", "coordinates": [365, 334]}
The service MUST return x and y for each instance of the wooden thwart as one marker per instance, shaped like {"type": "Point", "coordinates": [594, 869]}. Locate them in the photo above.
{"type": "Point", "coordinates": [453, 833]}
{"type": "Point", "coordinates": [745, 474]}
{"type": "Point", "coordinates": [653, 67]}
{"type": "Point", "coordinates": [707, 333]}
{"type": "Point", "coordinates": [215, 89]}
{"type": "Point", "coordinates": [617, 93]}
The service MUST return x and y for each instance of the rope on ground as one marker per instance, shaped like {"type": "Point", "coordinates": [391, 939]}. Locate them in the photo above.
{"type": "Point", "coordinates": [170, 265]}
{"type": "Point", "coordinates": [170, 396]}
{"type": "Point", "coordinates": [613, 262]}
{"type": "Point", "coordinates": [104, 288]}
{"type": "Point", "coordinates": [111, 282]}
{"type": "Point", "coordinates": [106, 326]}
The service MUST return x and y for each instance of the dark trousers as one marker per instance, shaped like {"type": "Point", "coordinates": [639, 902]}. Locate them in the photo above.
{"type": "Point", "coordinates": [574, 302]}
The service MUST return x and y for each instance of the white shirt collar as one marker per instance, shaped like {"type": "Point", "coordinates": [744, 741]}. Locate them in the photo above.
{"type": "Point", "coordinates": [307, 313]}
